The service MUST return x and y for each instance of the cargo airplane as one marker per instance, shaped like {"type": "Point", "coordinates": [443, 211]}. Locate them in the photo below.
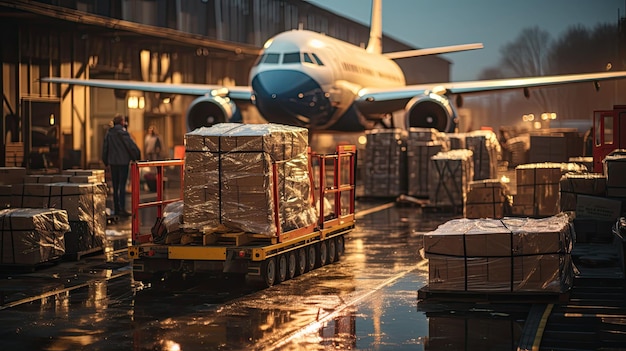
{"type": "Point", "coordinates": [308, 79]}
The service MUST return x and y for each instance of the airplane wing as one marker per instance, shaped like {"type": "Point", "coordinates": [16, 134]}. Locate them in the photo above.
{"type": "Point", "coordinates": [235, 92]}
{"type": "Point", "coordinates": [396, 98]}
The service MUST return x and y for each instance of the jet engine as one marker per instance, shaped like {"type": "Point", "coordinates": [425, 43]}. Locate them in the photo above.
{"type": "Point", "coordinates": [206, 111]}
{"type": "Point", "coordinates": [431, 111]}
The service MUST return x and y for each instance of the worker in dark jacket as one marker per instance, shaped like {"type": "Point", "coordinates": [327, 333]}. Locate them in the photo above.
{"type": "Point", "coordinates": [117, 152]}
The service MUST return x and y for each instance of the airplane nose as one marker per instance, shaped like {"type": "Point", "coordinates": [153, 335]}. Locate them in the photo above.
{"type": "Point", "coordinates": [291, 97]}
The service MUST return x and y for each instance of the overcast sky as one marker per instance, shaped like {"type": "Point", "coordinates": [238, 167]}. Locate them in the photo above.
{"type": "Point", "coordinates": [493, 22]}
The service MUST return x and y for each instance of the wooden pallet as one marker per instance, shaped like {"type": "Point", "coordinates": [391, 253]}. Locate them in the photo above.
{"type": "Point", "coordinates": [425, 293]}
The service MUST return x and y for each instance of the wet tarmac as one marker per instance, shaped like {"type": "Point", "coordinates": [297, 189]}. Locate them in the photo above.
{"type": "Point", "coordinates": [366, 301]}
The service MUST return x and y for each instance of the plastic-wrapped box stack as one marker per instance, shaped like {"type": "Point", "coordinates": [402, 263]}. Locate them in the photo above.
{"type": "Point", "coordinates": [487, 198]}
{"type": "Point", "coordinates": [486, 151]}
{"type": "Point", "coordinates": [451, 172]}
{"type": "Point", "coordinates": [574, 184]}
{"type": "Point", "coordinates": [32, 235]}
{"type": "Point", "coordinates": [384, 166]}
{"type": "Point", "coordinates": [615, 170]}
{"type": "Point", "coordinates": [82, 193]}
{"type": "Point", "coordinates": [508, 255]}
{"type": "Point", "coordinates": [456, 140]}
{"type": "Point", "coordinates": [422, 144]}
{"type": "Point", "coordinates": [229, 178]}
{"type": "Point", "coordinates": [538, 187]}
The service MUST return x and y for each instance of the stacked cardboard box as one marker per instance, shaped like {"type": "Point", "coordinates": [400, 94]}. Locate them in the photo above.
{"type": "Point", "coordinates": [456, 140]}
{"type": "Point", "coordinates": [384, 170]}
{"type": "Point", "coordinates": [12, 175]}
{"type": "Point", "coordinates": [450, 172]}
{"type": "Point", "coordinates": [229, 178]}
{"type": "Point", "coordinates": [555, 145]}
{"type": "Point", "coordinates": [85, 204]}
{"type": "Point", "coordinates": [508, 255]}
{"type": "Point", "coordinates": [86, 210]}
{"type": "Point", "coordinates": [615, 171]}
{"type": "Point", "coordinates": [486, 152]}
{"type": "Point", "coordinates": [31, 236]}
{"type": "Point", "coordinates": [14, 154]}
{"type": "Point", "coordinates": [486, 198]}
{"type": "Point", "coordinates": [538, 188]}
{"type": "Point", "coordinates": [422, 144]}
{"type": "Point", "coordinates": [574, 184]}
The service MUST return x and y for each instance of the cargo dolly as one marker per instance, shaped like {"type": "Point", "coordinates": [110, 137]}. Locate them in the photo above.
{"type": "Point", "coordinates": [263, 260]}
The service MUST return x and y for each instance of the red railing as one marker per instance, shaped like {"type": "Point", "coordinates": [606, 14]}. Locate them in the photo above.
{"type": "Point", "coordinates": [159, 202]}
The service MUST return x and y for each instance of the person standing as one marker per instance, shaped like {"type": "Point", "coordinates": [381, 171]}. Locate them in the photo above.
{"type": "Point", "coordinates": [117, 152]}
{"type": "Point", "coordinates": [152, 144]}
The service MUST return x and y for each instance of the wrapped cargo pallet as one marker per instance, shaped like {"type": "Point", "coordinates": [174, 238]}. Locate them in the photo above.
{"type": "Point", "coordinates": [229, 178]}
{"type": "Point", "coordinates": [451, 172]}
{"type": "Point", "coordinates": [486, 153]}
{"type": "Point", "coordinates": [615, 169]}
{"type": "Point", "coordinates": [508, 255]}
{"type": "Point", "coordinates": [384, 170]}
{"type": "Point", "coordinates": [422, 144]}
{"type": "Point", "coordinates": [573, 184]}
{"type": "Point", "coordinates": [538, 188]}
{"type": "Point", "coordinates": [85, 204]}
{"type": "Point", "coordinates": [31, 236]}
{"type": "Point", "coordinates": [487, 198]}
{"type": "Point", "coordinates": [86, 211]}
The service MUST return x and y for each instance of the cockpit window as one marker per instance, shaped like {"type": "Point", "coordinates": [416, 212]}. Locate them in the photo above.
{"type": "Point", "coordinates": [271, 58]}
{"type": "Point", "coordinates": [291, 57]}
{"type": "Point", "coordinates": [307, 58]}
{"type": "Point", "coordinates": [259, 59]}
{"type": "Point", "coordinates": [317, 59]}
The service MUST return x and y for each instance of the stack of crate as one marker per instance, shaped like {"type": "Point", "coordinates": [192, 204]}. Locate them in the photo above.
{"type": "Point", "coordinates": [229, 178]}
{"type": "Point", "coordinates": [615, 170]}
{"type": "Point", "coordinates": [82, 193]}
{"type": "Point", "coordinates": [450, 172]}
{"type": "Point", "coordinates": [422, 144]}
{"type": "Point", "coordinates": [538, 188]}
{"type": "Point", "coordinates": [384, 164]}
{"type": "Point", "coordinates": [574, 184]}
{"type": "Point", "coordinates": [486, 153]}
{"type": "Point", "coordinates": [8, 177]}
{"type": "Point", "coordinates": [509, 255]}
{"type": "Point", "coordinates": [487, 198]}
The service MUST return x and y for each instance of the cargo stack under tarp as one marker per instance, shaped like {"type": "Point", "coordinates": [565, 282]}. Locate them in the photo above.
{"type": "Point", "coordinates": [384, 170]}
{"type": "Point", "coordinates": [422, 144]}
{"type": "Point", "coordinates": [31, 236]}
{"type": "Point", "coordinates": [229, 178]}
{"type": "Point", "coordinates": [511, 255]}
{"type": "Point", "coordinates": [450, 173]}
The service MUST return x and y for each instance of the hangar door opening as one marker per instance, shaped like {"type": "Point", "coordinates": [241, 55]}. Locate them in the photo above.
{"type": "Point", "coordinates": [40, 134]}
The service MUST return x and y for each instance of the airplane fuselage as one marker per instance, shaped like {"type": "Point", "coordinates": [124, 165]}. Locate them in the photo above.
{"type": "Point", "coordinates": [308, 79]}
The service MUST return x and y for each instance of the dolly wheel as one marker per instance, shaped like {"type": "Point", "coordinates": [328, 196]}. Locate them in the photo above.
{"type": "Point", "coordinates": [312, 257]}
{"type": "Point", "coordinates": [282, 269]}
{"type": "Point", "coordinates": [323, 254]}
{"type": "Point", "coordinates": [332, 250]}
{"type": "Point", "coordinates": [341, 247]}
{"type": "Point", "coordinates": [291, 265]}
{"type": "Point", "coordinates": [268, 271]}
{"type": "Point", "coordinates": [301, 262]}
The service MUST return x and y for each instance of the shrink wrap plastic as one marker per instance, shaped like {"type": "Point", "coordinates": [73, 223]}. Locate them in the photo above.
{"type": "Point", "coordinates": [85, 204]}
{"type": "Point", "coordinates": [384, 171]}
{"type": "Point", "coordinates": [486, 152]}
{"type": "Point", "coordinates": [507, 255]}
{"type": "Point", "coordinates": [229, 178]}
{"type": "Point", "coordinates": [450, 172]}
{"type": "Point", "coordinates": [32, 235]}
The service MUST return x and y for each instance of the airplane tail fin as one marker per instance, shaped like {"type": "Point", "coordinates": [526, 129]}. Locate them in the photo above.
{"type": "Point", "coordinates": [375, 44]}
